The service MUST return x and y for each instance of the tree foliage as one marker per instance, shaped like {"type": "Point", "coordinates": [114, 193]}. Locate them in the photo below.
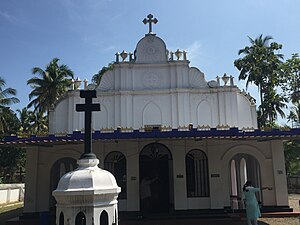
{"type": "Point", "coordinates": [7, 116]}
{"type": "Point", "coordinates": [98, 76]}
{"type": "Point", "coordinates": [292, 157]}
{"type": "Point", "coordinates": [12, 159]}
{"type": "Point", "coordinates": [291, 87]}
{"type": "Point", "coordinates": [49, 86]}
{"type": "Point", "coordinates": [261, 65]}
{"type": "Point", "coordinates": [32, 122]}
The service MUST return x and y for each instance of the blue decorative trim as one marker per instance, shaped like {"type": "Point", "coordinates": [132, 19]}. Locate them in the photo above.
{"type": "Point", "coordinates": [212, 133]}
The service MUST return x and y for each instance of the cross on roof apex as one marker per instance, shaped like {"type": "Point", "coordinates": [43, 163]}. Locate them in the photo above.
{"type": "Point", "coordinates": [150, 20]}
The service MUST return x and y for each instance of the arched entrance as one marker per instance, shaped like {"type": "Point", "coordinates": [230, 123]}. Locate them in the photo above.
{"type": "Point", "coordinates": [156, 179]}
{"type": "Point", "coordinates": [59, 168]}
{"type": "Point", "coordinates": [243, 167]}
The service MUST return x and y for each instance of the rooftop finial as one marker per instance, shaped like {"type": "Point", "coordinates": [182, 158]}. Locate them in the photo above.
{"type": "Point", "coordinates": [150, 20]}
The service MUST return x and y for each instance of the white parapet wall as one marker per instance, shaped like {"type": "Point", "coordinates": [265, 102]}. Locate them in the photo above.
{"type": "Point", "coordinates": [10, 193]}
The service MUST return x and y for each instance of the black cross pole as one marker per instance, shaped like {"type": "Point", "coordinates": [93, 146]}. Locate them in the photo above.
{"type": "Point", "coordinates": [88, 108]}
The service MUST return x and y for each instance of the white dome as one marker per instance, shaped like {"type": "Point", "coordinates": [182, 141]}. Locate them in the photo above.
{"type": "Point", "coordinates": [87, 178]}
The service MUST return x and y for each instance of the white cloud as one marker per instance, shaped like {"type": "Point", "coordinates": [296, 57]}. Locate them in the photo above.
{"type": "Point", "coordinates": [193, 51]}
{"type": "Point", "coordinates": [8, 17]}
{"type": "Point", "coordinates": [14, 20]}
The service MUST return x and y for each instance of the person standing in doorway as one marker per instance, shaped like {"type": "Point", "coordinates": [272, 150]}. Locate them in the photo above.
{"type": "Point", "coordinates": [146, 193]}
{"type": "Point", "coordinates": [251, 203]}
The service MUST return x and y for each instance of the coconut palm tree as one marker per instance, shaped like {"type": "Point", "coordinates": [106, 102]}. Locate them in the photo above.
{"type": "Point", "coordinates": [26, 118]}
{"type": "Point", "coordinates": [273, 104]}
{"type": "Point", "coordinates": [7, 94]}
{"type": "Point", "coordinates": [294, 115]}
{"type": "Point", "coordinates": [39, 123]}
{"type": "Point", "coordinates": [7, 97]}
{"type": "Point", "coordinates": [49, 86]}
{"type": "Point", "coordinates": [261, 66]}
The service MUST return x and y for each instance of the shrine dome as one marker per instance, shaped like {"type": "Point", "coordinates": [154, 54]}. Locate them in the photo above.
{"type": "Point", "coordinates": [88, 177]}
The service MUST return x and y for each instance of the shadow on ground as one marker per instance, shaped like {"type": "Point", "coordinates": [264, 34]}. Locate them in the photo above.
{"type": "Point", "coordinates": [10, 214]}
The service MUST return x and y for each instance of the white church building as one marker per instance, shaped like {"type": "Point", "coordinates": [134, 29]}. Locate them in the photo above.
{"type": "Point", "coordinates": [197, 140]}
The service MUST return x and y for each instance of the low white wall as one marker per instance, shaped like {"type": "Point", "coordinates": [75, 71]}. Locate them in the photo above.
{"type": "Point", "coordinates": [11, 193]}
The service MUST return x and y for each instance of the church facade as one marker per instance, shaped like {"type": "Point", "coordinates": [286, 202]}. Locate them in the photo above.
{"type": "Point", "coordinates": [161, 120]}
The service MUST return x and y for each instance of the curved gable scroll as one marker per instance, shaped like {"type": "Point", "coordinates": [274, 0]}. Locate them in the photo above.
{"type": "Point", "coordinates": [196, 78]}
{"type": "Point", "coordinates": [107, 81]}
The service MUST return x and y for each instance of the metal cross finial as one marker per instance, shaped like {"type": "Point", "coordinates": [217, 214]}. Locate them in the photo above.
{"type": "Point", "coordinates": [150, 20]}
{"type": "Point", "coordinates": [88, 108]}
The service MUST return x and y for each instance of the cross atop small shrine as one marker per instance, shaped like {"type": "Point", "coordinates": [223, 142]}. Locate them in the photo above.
{"type": "Point", "coordinates": [88, 108]}
{"type": "Point", "coordinates": [150, 20]}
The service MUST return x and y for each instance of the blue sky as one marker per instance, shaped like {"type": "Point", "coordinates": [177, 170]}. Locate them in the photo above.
{"type": "Point", "coordinates": [85, 35]}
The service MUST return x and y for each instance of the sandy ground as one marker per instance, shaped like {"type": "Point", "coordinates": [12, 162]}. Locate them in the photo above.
{"type": "Point", "coordinates": [294, 203]}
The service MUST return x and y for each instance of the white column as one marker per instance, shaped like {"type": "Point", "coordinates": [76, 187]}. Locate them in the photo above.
{"type": "Point", "coordinates": [218, 176]}
{"type": "Point", "coordinates": [133, 191]}
{"type": "Point", "coordinates": [174, 103]}
{"type": "Point", "coordinates": [280, 183]}
{"type": "Point", "coordinates": [180, 193]}
{"type": "Point", "coordinates": [30, 199]}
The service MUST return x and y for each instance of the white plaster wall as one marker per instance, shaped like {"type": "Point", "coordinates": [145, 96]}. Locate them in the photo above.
{"type": "Point", "coordinates": [3, 196]}
{"type": "Point", "coordinates": [163, 107]}
{"type": "Point", "coordinates": [219, 153]}
{"type": "Point", "coordinates": [175, 94]}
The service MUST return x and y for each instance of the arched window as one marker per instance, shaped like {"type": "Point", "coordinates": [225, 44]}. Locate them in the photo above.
{"type": "Point", "coordinates": [61, 219]}
{"type": "Point", "coordinates": [197, 174]}
{"type": "Point", "coordinates": [234, 191]}
{"type": "Point", "coordinates": [243, 171]}
{"type": "Point", "coordinates": [80, 219]}
{"type": "Point", "coordinates": [104, 218]}
{"type": "Point", "coordinates": [59, 168]}
{"type": "Point", "coordinates": [115, 162]}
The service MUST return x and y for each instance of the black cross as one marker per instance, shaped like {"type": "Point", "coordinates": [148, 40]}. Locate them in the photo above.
{"type": "Point", "coordinates": [88, 108]}
{"type": "Point", "coordinates": [150, 21]}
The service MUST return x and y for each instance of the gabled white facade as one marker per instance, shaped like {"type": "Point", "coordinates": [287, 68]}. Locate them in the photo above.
{"type": "Point", "coordinates": [154, 89]}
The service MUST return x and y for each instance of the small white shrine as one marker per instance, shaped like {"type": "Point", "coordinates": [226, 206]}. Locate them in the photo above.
{"type": "Point", "coordinates": [87, 195]}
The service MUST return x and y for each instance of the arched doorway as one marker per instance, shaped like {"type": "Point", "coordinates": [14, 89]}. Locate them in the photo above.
{"type": "Point", "coordinates": [156, 179]}
{"type": "Point", "coordinates": [243, 167]}
{"type": "Point", "coordinates": [59, 168]}
{"type": "Point", "coordinates": [115, 162]}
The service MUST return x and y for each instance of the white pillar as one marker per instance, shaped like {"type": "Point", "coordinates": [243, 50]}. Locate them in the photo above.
{"type": "Point", "coordinates": [280, 182]}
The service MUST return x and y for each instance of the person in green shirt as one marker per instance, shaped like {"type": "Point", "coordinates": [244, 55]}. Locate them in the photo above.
{"type": "Point", "coordinates": [251, 203]}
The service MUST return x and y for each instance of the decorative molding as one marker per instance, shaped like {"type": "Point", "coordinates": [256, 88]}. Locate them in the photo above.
{"type": "Point", "coordinates": [151, 80]}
